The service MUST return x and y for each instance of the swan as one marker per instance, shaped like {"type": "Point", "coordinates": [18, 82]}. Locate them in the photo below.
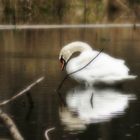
{"type": "Point", "coordinates": [105, 68]}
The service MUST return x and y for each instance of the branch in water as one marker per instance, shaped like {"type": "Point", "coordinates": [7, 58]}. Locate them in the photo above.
{"type": "Point", "coordinates": [11, 126]}
{"type": "Point", "coordinates": [47, 131]}
{"type": "Point", "coordinates": [22, 92]}
{"type": "Point", "coordinates": [91, 100]}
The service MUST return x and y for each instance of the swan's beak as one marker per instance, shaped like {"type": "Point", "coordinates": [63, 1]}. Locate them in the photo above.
{"type": "Point", "coordinates": [63, 63]}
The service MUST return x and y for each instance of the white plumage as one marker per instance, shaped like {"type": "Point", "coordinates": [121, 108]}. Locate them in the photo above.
{"type": "Point", "coordinates": [104, 68]}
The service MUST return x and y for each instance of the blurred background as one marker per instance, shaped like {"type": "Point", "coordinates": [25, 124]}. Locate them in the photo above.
{"type": "Point", "coordinates": [68, 12]}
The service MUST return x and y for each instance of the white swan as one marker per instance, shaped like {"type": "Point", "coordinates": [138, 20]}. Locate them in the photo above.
{"type": "Point", "coordinates": [104, 68]}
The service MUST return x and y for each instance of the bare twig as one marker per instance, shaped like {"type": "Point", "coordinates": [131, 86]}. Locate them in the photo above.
{"type": "Point", "coordinates": [47, 131]}
{"type": "Point", "coordinates": [11, 126]}
{"type": "Point", "coordinates": [22, 92]}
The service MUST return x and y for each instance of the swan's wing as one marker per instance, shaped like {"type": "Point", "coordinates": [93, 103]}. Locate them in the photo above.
{"type": "Point", "coordinates": [103, 66]}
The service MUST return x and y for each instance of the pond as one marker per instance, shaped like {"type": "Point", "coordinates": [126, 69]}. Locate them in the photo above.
{"type": "Point", "coordinates": [99, 113]}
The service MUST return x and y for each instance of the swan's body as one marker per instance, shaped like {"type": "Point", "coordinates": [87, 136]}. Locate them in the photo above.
{"type": "Point", "coordinates": [104, 68]}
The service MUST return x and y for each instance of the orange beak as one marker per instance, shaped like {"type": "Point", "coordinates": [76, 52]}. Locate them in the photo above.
{"type": "Point", "coordinates": [62, 61]}
{"type": "Point", "coordinates": [62, 65]}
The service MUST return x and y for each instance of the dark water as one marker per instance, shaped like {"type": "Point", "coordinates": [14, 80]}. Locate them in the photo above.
{"type": "Point", "coordinates": [111, 113]}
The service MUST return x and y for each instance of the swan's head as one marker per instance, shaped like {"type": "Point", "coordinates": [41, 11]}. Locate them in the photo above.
{"type": "Point", "coordinates": [68, 50]}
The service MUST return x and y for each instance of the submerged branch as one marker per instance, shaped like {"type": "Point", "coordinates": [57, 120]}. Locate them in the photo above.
{"type": "Point", "coordinates": [91, 100]}
{"type": "Point", "coordinates": [22, 92]}
{"type": "Point", "coordinates": [11, 126]}
{"type": "Point", "coordinates": [47, 131]}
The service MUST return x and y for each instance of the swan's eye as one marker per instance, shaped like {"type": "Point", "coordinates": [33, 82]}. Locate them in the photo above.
{"type": "Point", "coordinates": [61, 58]}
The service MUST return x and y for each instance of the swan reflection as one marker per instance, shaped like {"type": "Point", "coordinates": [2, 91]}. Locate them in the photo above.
{"type": "Point", "coordinates": [85, 106]}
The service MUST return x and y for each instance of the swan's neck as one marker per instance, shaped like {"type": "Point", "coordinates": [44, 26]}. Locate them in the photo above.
{"type": "Point", "coordinates": [78, 47]}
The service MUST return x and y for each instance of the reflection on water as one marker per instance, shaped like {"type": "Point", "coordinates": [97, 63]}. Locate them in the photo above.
{"type": "Point", "coordinates": [91, 105]}
{"type": "Point", "coordinates": [26, 55]}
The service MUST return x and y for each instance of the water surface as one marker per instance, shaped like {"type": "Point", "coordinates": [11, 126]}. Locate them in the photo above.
{"type": "Point", "coordinates": [97, 113]}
